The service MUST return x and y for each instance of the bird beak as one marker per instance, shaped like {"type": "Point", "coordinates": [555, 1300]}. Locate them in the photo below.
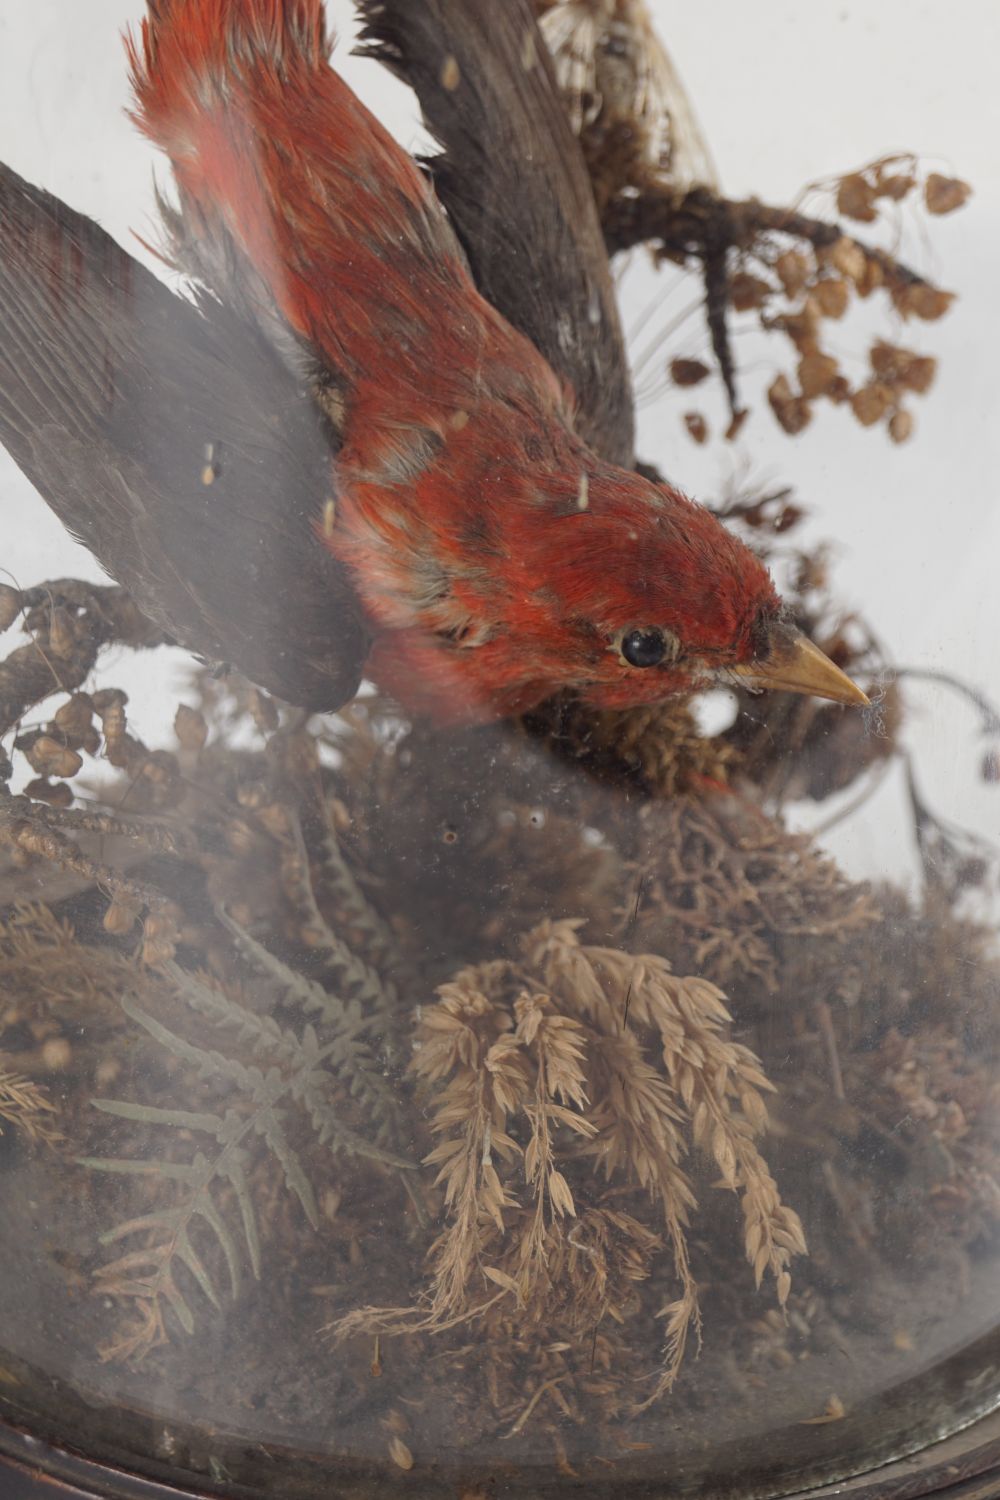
{"type": "Point", "coordinates": [794, 665]}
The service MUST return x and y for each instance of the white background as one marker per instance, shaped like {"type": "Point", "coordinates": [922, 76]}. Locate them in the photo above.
{"type": "Point", "coordinates": [787, 93]}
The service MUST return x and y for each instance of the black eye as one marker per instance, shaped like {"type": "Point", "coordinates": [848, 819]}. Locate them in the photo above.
{"type": "Point", "coordinates": [647, 648]}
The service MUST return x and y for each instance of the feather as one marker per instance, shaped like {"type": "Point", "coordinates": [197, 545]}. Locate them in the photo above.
{"type": "Point", "coordinates": [177, 446]}
{"type": "Point", "coordinates": [513, 181]}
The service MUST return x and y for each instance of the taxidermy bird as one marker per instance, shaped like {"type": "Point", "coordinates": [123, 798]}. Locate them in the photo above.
{"type": "Point", "coordinates": [341, 457]}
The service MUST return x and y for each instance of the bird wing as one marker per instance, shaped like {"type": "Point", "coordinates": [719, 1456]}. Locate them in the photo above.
{"type": "Point", "coordinates": [176, 445]}
{"type": "Point", "coordinates": [512, 178]}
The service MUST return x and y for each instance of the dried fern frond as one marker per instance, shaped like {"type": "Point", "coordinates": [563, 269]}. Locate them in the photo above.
{"type": "Point", "coordinates": [320, 852]}
{"type": "Point", "coordinates": [271, 1071]}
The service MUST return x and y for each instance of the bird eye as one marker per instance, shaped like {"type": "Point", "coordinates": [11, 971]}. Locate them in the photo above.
{"type": "Point", "coordinates": [648, 648]}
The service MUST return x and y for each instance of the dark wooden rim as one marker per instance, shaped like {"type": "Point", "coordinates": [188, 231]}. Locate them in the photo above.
{"type": "Point", "coordinates": [33, 1470]}
{"type": "Point", "coordinates": [965, 1466]}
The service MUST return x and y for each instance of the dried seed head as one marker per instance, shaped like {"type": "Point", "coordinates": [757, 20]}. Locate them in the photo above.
{"type": "Point", "coordinates": [62, 633]}
{"type": "Point", "coordinates": [108, 698]}
{"type": "Point", "coordinates": [49, 757]}
{"type": "Point", "coordinates": [894, 185]}
{"type": "Point", "coordinates": [157, 952]}
{"type": "Point", "coordinates": [696, 425]}
{"type": "Point", "coordinates": [400, 1453]}
{"type": "Point", "coordinates": [872, 279]}
{"type": "Point", "coordinates": [10, 605]}
{"type": "Point", "coordinates": [158, 766]}
{"type": "Point", "coordinates": [944, 194]}
{"type": "Point", "coordinates": [121, 916]}
{"type": "Point", "coordinates": [900, 425]}
{"type": "Point", "coordinates": [794, 270]}
{"type": "Point", "coordinates": [190, 728]}
{"type": "Point", "coordinates": [108, 1070]}
{"type": "Point", "coordinates": [163, 922]}
{"type": "Point", "coordinates": [746, 291]}
{"type": "Point", "coordinates": [920, 300]}
{"type": "Point", "coordinates": [871, 402]}
{"type": "Point", "coordinates": [114, 726]}
{"type": "Point", "coordinates": [160, 932]}
{"type": "Point", "coordinates": [55, 793]}
{"type": "Point", "coordinates": [856, 198]}
{"type": "Point", "coordinates": [847, 256]}
{"type": "Point", "coordinates": [254, 794]}
{"type": "Point", "coordinates": [791, 409]}
{"type": "Point", "coordinates": [817, 373]}
{"type": "Point", "coordinates": [901, 367]}
{"type": "Point", "coordinates": [802, 327]}
{"type": "Point", "coordinates": [57, 1054]}
{"type": "Point", "coordinates": [275, 819]}
{"type": "Point", "coordinates": [74, 719]}
{"type": "Point", "coordinates": [831, 296]}
{"type": "Point", "coordinates": [687, 372]}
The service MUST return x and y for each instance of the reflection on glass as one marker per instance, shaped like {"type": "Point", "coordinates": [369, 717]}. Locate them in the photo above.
{"type": "Point", "coordinates": [425, 1044]}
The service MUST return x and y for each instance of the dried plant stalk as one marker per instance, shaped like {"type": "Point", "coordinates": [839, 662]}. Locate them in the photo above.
{"type": "Point", "coordinates": [539, 1070]}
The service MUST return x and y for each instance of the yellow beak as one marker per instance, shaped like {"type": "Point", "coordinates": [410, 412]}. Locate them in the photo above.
{"type": "Point", "coordinates": [795, 665]}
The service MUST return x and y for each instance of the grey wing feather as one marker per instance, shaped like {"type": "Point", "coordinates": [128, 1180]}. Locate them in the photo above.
{"type": "Point", "coordinates": [512, 177]}
{"type": "Point", "coordinates": [176, 445]}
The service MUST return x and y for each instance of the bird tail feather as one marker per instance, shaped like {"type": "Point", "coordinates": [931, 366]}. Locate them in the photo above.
{"type": "Point", "coordinates": [295, 205]}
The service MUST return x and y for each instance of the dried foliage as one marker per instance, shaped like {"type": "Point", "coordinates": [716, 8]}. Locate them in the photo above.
{"type": "Point", "coordinates": [50, 988]}
{"type": "Point", "coordinates": [798, 276]}
{"type": "Point", "coordinates": [68, 623]}
{"type": "Point", "coordinates": [293, 1025]}
{"type": "Point", "coordinates": [480, 998]}
{"type": "Point", "coordinates": [283, 1025]}
{"type": "Point", "coordinates": [27, 1107]}
{"type": "Point", "coordinates": [657, 750]}
{"type": "Point", "coordinates": [323, 1067]}
{"type": "Point", "coordinates": [263, 944]}
{"type": "Point", "coordinates": [624, 98]}
{"type": "Point", "coordinates": [654, 183]}
{"type": "Point", "coordinates": [546, 1069]}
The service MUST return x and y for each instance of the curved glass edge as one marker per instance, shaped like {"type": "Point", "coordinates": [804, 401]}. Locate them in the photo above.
{"type": "Point", "coordinates": [862, 1450]}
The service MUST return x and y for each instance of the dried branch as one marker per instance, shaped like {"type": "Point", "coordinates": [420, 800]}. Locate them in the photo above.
{"type": "Point", "coordinates": [70, 622]}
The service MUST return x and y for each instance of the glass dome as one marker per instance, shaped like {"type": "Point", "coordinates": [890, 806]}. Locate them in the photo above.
{"type": "Point", "coordinates": [498, 966]}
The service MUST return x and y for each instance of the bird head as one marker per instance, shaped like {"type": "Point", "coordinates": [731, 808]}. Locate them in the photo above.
{"type": "Point", "coordinates": [594, 580]}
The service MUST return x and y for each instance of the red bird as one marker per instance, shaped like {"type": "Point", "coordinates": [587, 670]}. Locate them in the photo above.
{"type": "Point", "coordinates": [497, 558]}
